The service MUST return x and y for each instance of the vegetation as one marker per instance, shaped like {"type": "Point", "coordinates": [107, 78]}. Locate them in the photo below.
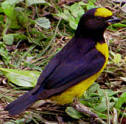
{"type": "Point", "coordinates": [31, 33]}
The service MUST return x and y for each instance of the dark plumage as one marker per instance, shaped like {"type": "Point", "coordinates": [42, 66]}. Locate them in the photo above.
{"type": "Point", "coordinates": [77, 61]}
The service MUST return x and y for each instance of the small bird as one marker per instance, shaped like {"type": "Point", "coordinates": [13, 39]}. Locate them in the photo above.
{"type": "Point", "coordinates": [71, 71]}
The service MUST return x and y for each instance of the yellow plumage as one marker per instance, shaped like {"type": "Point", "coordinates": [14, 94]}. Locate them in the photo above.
{"type": "Point", "coordinates": [103, 12]}
{"type": "Point", "coordinates": [54, 79]}
{"type": "Point", "coordinates": [78, 89]}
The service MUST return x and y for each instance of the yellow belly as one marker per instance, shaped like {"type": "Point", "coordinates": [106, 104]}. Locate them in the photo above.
{"type": "Point", "coordinates": [78, 89]}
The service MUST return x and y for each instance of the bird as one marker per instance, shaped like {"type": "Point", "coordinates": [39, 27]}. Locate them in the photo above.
{"type": "Point", "coordinates": [75, 68]}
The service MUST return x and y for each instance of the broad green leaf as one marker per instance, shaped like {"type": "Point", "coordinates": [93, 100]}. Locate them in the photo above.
{"type": "Point", "coordinates": [43, 22]}
{"type": "Point", "coordinates": [102, 106]}
{"type": "Point", "coordinates": [73, 113]}
{"type": "Point", "coordinates": [121, 100]}
{"type": "Point", "coordinates": [72, 14]}
{"type": "Point", "coordinates": [8, 9]}
{"type": "Point", "coordinates": [73, 24]}
{"type": "Point", "coordinates": [76, 10]}
{"type": "Point", "coordinates": [66, 15]}
{"type": "Point", "coordinates": [21, 78]}
{"type": "Point", "coordinates": [32, 2]}
{"type": "Point", "coordinates": [95, 87]}
{"type": "Point", "coordinates": [8, 39]}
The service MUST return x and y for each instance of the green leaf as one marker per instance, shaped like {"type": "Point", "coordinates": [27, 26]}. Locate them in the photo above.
{"type": "Point", "coordinates": [8, 39]}
{"type": "Point", "coordinates": [1, 10]}
{"type": "Point", "coordinates": [12, 2]}
{"type": "Point", "coordinates": [76, 10]}
{"type": "Point", "coordinates": [43, 22]}
{"type": "Point", "coordinates": [95, 98]}
{"type": "Point", "coordinates": [72, 14]}
{"type": "Point", "coordinates": [95, 87]}
{"type": "Point", "coordinates": [119, 25]}
{"type": "Point", "coordinates": [32, 2]}
{"type": "Point", "coordinates": [117, 58]}
{"type": "Point", "coordinates": [9, 122]}
{"type": "Point", "coordinates": [25, 79]}
{"type": "Point", "coordinates": [121, 100]}
{"type": "Point", "coordinates": [73, 113]}
{"type": "Point", "coordinates": [23, 17]}
{"type": "Point", "coordinates": [4, 53]}
{"type": "Point", "coordinates": [9, 10]}
{"type": "Point", "coordinates": [66, 15]}
{"type": "Point", "coordinates": [1, 19]}
{"type": "Point", "coordinates": [101, 115]}
{"type": "Point", "coordinates": [19, 36]}
{"type": "Point", "coordinates": [73, 24]}
{"type": "Point", "coordinates": [102, 106]}
{"type": "Point", "coordinates": [91, 4]}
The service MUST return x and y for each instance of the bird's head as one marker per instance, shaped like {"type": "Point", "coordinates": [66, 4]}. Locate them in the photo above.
{"type": "Point", "coordinates": [95, 20]}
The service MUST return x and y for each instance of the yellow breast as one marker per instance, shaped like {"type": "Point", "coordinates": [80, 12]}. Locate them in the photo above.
{"type": "Point", "coordinates": [78, 90]}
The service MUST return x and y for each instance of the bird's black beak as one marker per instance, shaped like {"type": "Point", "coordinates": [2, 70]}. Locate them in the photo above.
{"type": "Point", "coordinates": [113, 20]}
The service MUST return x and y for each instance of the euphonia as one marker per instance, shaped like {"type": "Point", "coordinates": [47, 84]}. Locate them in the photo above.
{"type": "Point", "coordinates": [71, 71]}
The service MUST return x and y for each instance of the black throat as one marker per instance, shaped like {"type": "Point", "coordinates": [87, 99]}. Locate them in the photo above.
{"type": "Point", "coordinates": [97, 35]}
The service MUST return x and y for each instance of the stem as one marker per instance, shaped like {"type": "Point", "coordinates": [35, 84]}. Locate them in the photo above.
{"type": "Point", "coordinates": [108, 108]}
{"type": "Point", "coordinates": [51, 41]}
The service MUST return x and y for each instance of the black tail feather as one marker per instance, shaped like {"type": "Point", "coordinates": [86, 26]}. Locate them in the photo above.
{"type": "Point", "coordinates": [20, 104]}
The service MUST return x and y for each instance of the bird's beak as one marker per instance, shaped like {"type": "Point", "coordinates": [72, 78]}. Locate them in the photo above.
{"type": "Point", "coordinates": [113, 20]}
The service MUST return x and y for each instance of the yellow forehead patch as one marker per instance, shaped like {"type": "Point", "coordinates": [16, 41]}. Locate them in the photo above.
{"type": "Point", "coordinates": [103, 12]}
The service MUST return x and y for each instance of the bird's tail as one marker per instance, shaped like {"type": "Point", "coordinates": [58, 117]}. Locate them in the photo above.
{"type": "Point", "coordinates": [22, 103]}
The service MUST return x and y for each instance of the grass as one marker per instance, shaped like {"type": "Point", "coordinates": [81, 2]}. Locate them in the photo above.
{"type": "Point", "coordinates": [32, 33]}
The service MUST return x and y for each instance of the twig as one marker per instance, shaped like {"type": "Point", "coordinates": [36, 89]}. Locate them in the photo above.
{"type": "Point", "coordinates": [122, 116]}
{"type": "Point", "coordinates": [107, 104]}
{"type": "Point", "coordinates": [40, 103]}
{"type": "Point", "coordinates": [60, 120]}
{"type": "Point", "coordinates": [82, 108]}
{"type": "Point", "coordinates": [100, 121]}
{"type": "Point", "coordinates": [85, 110]}
{"type": "Point", "coordinates": [115, 116]}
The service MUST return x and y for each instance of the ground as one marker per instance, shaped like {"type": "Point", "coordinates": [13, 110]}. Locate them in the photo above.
{"type": "Point", "coordinates": [27, 48]}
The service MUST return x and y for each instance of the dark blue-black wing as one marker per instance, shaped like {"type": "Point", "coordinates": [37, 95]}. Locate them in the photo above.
{"type": "Point", "coordinates": [70, 72]}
